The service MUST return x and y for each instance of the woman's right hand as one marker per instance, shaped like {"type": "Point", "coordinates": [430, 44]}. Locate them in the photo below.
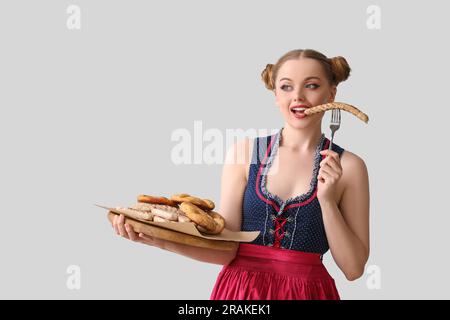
{"type": "Point", "coordinates": [126, 231]}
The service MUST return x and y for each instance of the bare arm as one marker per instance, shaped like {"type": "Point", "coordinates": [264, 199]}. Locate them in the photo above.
{"type": "Point", "coordinates": [233, 183]}
{"type": "Point", "coordinates": [200, 254]}
{"type": "Point", "coordinates": [347, 225]}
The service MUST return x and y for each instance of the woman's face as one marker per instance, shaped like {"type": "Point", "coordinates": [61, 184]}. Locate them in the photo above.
{"type": "Point", "coordinates": [302, 82]}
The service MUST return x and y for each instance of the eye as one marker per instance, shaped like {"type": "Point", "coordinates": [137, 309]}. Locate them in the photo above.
{"type": "Point", "coordinates": [313, 84]}
{"type": "Point", "coordinates": [283, 87]}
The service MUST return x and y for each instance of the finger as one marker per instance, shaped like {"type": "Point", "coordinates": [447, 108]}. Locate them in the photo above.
{"type": "Point", "coordinates": [326, 169]}
{"type": "Point", "coordinates": [333, 163]}
{"type": "Point", "coordinates": [144, 236]}
{"type": "Point", "coordinates": [324, 177]}
{"type": "Point", "coordinates": [336, 161]}
{"type": "Point", "coordinates": [145, 239]}
{"type": "Point", "coordinates": [131, 234]}
{"type": "Point", "coordinates": [325, 161]}
{"type": "Point", "coordinates": [329, 153]}
{"type": "Point", "coordinates": [330, 172]}
{"type": "Point", "coordinates": [333, 159]}
{"type": "Point", "coordinates": [121, 227]}
{"type": "Point", "coordinates": [322, 173]}
{"type": "Point", "coordinates": [332, 167]}
{"type": "Point", "coordinates": [115, 222]}
{"type": "Point", "coordinates": [151, 241]}
{"type": "Point", "coordinates": [320, 178]}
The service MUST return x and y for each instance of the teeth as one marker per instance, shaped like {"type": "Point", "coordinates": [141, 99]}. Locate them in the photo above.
{"type": "Point", "coordinates": [299, 109]}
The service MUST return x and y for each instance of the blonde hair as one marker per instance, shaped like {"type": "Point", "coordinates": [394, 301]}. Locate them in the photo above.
{"type": "Point", "coordinates": [336, 68]}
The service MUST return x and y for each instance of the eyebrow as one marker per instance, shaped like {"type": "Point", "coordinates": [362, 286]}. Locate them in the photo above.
{"type": "Point", "coordinates": [308, 78]}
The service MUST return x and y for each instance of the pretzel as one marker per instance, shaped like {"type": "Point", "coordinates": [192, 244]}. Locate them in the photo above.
{"type": "Point", "coordinates": [159, 219]}
{"type": "Point", "coordinates": [183, 218]}
{"type": "Point", "coordinates": [204, 204]}
{"type": "Point", "coordinates": [198, 216]}
{"type": "Point", "coordinates": [156, 200]}
{"type": "Point", "coordinates": [160, 210]}
{"type": "Point", "coordinates": [142, 206]}
{"type": "Point", "coordinates": [338, 105]}
{"type": "Point", "coordinates": [166, 212]}
{"type": "Point", "coordinates": [220, 223]}
{"type": "Point", "coordinates": [138, 214]}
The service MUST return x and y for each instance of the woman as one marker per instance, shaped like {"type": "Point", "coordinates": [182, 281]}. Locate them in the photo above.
{"type": "Point", "coordinates": [304, 198]}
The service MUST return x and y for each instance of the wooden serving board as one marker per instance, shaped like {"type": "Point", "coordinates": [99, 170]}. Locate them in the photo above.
{"type": "Point", "coordinates": [174, 236]}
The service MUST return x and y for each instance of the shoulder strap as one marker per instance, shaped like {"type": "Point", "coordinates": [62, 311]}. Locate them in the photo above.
{"type": "Point", "coordinates": [259, 149]}
{"type": "Point", "coordinates": [336, 148]}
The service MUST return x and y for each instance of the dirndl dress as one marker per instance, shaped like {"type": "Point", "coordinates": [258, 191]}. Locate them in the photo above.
{"type": "Point", "coordinates": [285, 260]}
{"type": "Point", "coordinates": [267, 273]}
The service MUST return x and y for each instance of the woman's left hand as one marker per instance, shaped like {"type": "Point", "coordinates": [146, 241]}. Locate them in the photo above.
{"type": "Point", "coordinates": [329, 174]}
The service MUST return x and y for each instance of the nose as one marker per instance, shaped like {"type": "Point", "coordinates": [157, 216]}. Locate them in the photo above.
{"type": "Point", "coordinates": [298, 95]}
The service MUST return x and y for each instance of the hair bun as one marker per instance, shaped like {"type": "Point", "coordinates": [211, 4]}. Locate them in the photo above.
{"type": "Point", "coordinates": [340, 69]}
{"type": "Point", "coordinates": [267, 77]}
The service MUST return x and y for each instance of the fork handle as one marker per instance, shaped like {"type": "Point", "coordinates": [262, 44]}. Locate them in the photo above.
{"type": "Point", "coordinates": [331, 141]}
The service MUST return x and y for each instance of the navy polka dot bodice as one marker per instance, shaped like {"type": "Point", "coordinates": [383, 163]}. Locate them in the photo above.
{"type": "Point", "coordinates": [294, 224]}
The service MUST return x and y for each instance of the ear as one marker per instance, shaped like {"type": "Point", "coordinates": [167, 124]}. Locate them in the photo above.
{"type": "Point", "coordinates": [333, 93]}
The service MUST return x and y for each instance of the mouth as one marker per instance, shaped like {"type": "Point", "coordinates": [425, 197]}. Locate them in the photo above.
{"type": "Point", "coordinates": [298, 110]}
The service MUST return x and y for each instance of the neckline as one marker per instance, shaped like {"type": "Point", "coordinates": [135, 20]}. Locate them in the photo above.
{"type": "Point", "coordinates": [313, 182]}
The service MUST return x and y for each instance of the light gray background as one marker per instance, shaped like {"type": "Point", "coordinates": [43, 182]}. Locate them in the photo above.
{"type": "Point", "coordinates": [87, 116]}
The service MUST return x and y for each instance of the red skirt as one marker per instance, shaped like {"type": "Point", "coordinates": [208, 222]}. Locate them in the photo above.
{"type": "Point", "coordinates": [267, 273]}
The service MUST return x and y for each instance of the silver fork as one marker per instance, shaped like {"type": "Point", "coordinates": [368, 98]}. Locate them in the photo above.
{"type": "Point", "coordinates": [335, 123]}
